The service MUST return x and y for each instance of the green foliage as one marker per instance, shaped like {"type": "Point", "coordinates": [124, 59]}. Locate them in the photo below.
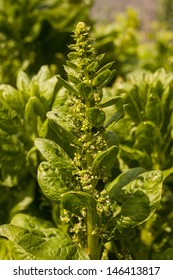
{"type": "Point", "coordinates": [91, 186]}
{"type": "Point", "coordinates": [35, 32]}
{"type": "Point", "coordinates": [147, 142]}
{"type": "Point", "coordinates": [22, 119]}
{"type": "Point", "coordinates": [149, 120]}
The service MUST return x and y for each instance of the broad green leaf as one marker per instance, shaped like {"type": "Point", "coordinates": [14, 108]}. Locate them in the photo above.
{"type": "Point", "coordinates": [53, 153]}
{"type": "Point", "coordinates": [77, 202]}
{"type": "Point", "coordinates": [104, 162]}
{"type": "Point", "coordinates": [47, 244]}
{"type": "Point", "coordinates": [137, 200]}
{"type": "Point", "coordinates": [10, 121]}
{"type": "Point", "coordinates": [30, 222]}
{"type": "Point", "coordinates": [115, 188]}
{"type": "Point", "coordinates": [61, 128]}
{"type": "Point", "coordinates": [53, 181]}
{"type": "Point", "coordinates": [96, 117]}
{"type": "Point", "coordinates": [134, 108]}
{"type": "Point", "coordinates": [11, 148]}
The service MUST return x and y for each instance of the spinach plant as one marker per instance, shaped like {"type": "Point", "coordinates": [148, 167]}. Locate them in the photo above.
{"type": "Point", "coordinates": [93, 203]}
{"type": "Point", "coordinates": [148, 142]}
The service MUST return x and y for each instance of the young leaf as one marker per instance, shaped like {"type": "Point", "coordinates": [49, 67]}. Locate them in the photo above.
{"type": "Point", "coordinates": [96, 117]}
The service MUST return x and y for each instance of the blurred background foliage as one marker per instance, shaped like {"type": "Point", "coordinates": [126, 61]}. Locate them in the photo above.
{"type": "Point", "coordinates": [36, 32]}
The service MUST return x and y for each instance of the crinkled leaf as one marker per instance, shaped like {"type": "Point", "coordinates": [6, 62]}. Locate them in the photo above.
{"type": "Point", "coordinates": [53, 181]}
{"type": "Point", "coordinates": [30, 222]}
{"type": "Point", "coordinates": [53, 153]}
{"type": "Point", "coordinates": [47, 244]}
{"type": "Point", "coordinates": [75, 202]}
{"type": "Point", "coordinates": [115, 188]}
{"type": "Point", "coordinates": [137, 201]}
{"type": "Point", "coordinates": [11, 147]}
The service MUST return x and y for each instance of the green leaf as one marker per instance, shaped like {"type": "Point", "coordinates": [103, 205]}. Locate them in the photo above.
{"type": "Point", "coordinates": [23, 82]}
{"type": "Point", "coordinates": [111, 138]}
{"type": "Point", "coordinates": [54, 181]}
{"type": "Point", "coordinates": [111, 102]}
{"type": "Point", "coordinates": [147, 136]}
{"type": "Point", "coordinates": [153, 109]}
{"type": "Point", "coordinates": [76, 202]}
{"type": "Point", "coordinates": [61, 127]}
{"type": "Point", "coordinates": [137, 200]}
{"type": "Point", "coordinates": [84, 90]}
{"type": "Point", "coordinates": [92, 67]}
{"type": "Point", "coordinates": [47, 244]}
{"type": "Point", "coordinates": [34, 108]}
{"type": "Point", "coordinates": [116, 117]}
{"type": "Point", "coordinates": [53, 153]}
{"type": "Point", "coordinates": [5, 249]}
{"type": "Point", "coordinates": [104, 162]}
{"type": "Point", "coordinates": [105, 67]}
{"type": "Point", "coordinates": [13, 98]}
{"type": "Point", "coordinates": [96, 117]}
{"type": "Point", "coordinates": [134, 157]}
{"type": "Point", "coordinates": [116, 186]}
{"type": "Point", "coordinates": [67, 85]}
{"type": "Point", "coordinates": [30, 222]}
{"type": "Point", "coordinates": [102, 78]}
